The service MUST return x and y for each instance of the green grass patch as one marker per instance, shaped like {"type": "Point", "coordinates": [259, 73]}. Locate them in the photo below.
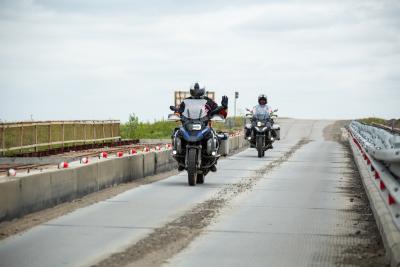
{"type": "Point", "coordinates": [372, 120]}
{"type": "Point", "coordinates": [134, 129]}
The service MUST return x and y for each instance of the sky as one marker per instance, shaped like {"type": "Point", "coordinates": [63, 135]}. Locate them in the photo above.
{"type": "Point", "coordinates": [99, 59]}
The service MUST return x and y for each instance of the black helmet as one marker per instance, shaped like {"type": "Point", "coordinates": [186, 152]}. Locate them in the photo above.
{"type": "Point", "coordinates": [262, 96]}
{"type": "Point", "coordinates": [196, 91]}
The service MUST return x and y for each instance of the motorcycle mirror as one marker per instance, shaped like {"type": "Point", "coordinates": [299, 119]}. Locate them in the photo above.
{"type": "Point", "coordinates": [217, 118]}
{"type": "Point", "coordinates": [248, 110]}
{"type": "Point", "coordinates": [173, 108]}
{"type": "Point", "coordinates": [173, 117]}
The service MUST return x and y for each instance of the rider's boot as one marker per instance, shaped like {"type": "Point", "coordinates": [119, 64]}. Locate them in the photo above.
{"type": "Point", "coordinates": [213, 168]}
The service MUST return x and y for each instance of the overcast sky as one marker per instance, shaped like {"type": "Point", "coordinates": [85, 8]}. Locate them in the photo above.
{"type": "Point", "coordinates": [98, 59]}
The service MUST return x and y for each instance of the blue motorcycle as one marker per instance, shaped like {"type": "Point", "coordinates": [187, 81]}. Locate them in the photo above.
{"type": "Point", "coordinates": [195, 143]}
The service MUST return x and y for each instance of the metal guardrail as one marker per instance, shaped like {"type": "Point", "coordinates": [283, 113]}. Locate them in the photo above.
{"type": "Point", "coordinates": [379, 150]}
{"type": "Point", "coordinates": [380, 144]}
{"type": "Point", "coordinates": [387, 128]}
{"type": "Point", "coordinates": [35, 135]}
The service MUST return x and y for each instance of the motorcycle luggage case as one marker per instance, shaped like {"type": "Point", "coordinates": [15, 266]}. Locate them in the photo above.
{"type": "Point", "coordinates": [224, 144]}
{"type": "Point", "coordinates": [277, 130]}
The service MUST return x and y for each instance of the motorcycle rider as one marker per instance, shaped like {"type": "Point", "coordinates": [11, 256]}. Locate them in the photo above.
{"type": "Point", "coordinates": [196, 92]}
{"type": "Point", "coordinates": [261, 107]}
{"type": "Point", "coordinates": [262, 104]}
{"type": "Point", "coordinates": [199, 93]}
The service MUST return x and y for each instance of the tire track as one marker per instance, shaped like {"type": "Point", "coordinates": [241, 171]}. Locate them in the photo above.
{"type": "Point", "coordinates": [164, 242]}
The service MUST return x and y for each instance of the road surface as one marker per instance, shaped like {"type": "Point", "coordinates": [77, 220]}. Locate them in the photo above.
{"type": "Point", "coordinates": [295, 207]}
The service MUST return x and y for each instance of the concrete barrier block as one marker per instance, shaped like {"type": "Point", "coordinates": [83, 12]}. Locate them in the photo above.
{"type": "Point", "coordinates": [9, 199]}
{"type": "Point", "coordinates": [63, 185]}
{"type": "Point", "coordinates": [35, 192]}
{"type": "Point", "coordinates": [231, 148]}
{"type": "Point", "coordinates": [136, 166]}
{"type": "Point", "coordinates": [87, 179]}
{"type": "Point", "coordinates": [125, 169]}
{"type": "Point", "coordinates": [105, 173]}
{"type": "Point", "coordinates": [163, 161]}
{"type": "Point", "coordinates": [234, 143]}
{"type": "Point", "coordinates": [149, 161]}
{"type": "Point", "coordinates": [241, 141]}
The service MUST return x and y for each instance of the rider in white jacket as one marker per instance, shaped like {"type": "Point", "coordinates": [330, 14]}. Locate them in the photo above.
{"type": "Point", "coordinates": [262, 105]}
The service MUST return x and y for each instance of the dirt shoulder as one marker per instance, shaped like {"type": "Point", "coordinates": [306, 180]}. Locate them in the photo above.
{"type": "Point", "coordinates": [371, 252]}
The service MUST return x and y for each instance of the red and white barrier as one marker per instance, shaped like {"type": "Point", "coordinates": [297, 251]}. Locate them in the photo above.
{"type": "Point", "coordinates": [103, 155]}
{"type": "Point", "coordinates": [63, 165]}
{"type": "Point", "coordinates": [11, 172]}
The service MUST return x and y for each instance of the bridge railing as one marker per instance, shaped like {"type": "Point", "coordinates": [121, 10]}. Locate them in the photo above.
{"type": "Point", "coordinates": [380, 151]}
{"type": "Point", "coordinates": [32, 136]}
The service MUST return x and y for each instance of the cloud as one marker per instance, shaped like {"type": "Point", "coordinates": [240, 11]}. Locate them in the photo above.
{"type": "Point", "coordinates": [111, 59]}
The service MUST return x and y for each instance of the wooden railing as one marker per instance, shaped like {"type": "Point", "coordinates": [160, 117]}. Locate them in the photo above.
{"type": "Point", "coordinates": [33, 136]}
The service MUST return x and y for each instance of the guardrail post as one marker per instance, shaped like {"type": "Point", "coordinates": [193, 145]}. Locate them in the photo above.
{"type": "Point", "coordinates": [74, 133]}
{"type": "Point", "coordinates": [49, 135]}
{"type": "Point", "coordinates": [84, 133]}
{"type": "Point", "coordinates": [112, 131]}
{"type": "Point", "coordinates": [36, 139]}
{"type": "Point", "coordinates": [94, 133]}
{"type": "Point", "coordinates": [3, 140]}
{"type": "Point", "coordinates": [63, 135]}
{"type": "Point", "coordinates": [21, 141]}
{"type": "Point", "coordinates": [104, 132]}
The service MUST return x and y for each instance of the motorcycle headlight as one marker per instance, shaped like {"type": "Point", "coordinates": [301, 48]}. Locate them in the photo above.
{"type": "Point", "coordinates": [259, 124]}
{"type": "Point", "coordinates": [195, 127]}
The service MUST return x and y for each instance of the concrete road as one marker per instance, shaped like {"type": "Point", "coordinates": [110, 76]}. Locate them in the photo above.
{"type": "Point", "coordinates": [287, 209]}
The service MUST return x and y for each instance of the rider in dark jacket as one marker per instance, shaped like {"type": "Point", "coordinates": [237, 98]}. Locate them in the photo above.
{"type": "Point", "coordinates": [199, 93]}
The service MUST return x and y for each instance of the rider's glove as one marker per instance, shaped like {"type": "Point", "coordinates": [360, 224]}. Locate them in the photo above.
{"type": "Point", "coordinates": [224, 101]}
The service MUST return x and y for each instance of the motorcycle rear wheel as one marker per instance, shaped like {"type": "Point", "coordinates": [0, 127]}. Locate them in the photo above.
{"type": "Point", "coordinates": [200, 178]}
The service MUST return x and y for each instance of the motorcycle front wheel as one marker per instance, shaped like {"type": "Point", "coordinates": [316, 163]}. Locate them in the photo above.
{"type": "Point", "coordinates": [260, 146]}
{"type": "Point", "coordinates": [192, 169]}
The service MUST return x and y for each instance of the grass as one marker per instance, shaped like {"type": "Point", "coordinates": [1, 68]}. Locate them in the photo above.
{"type": "Point", "coordinates": [134, 129]}
{"type": "Point", "coordinates": [372, 120]}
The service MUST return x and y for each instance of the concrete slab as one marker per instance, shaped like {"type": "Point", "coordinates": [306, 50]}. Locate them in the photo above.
{"type": "Point", "coordinates": [63, 185]}
{"type": "Point", "coordinates": [9, 198]}
{"type": "Point", "coordinates": [35, 192]}
{"type": "Point", "coordinates": [149, 161]}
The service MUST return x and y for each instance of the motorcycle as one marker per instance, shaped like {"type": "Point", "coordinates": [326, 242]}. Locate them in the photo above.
{"type": "Point", "coordinates": [261, 131]}
{"type": "Point", "coordinates": [195, 143]}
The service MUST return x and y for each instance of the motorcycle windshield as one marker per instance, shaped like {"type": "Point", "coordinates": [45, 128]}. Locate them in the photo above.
{"type": "Point", "coordinates": [195, 109]}
{"type": "Point", "coordinates": [261, 114]}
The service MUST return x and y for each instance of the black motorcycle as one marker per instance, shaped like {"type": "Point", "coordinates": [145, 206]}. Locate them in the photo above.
{"type": "Point", "coordinates": [195, 143]}
{"type": "Point", "coordinates": [261, 131]}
